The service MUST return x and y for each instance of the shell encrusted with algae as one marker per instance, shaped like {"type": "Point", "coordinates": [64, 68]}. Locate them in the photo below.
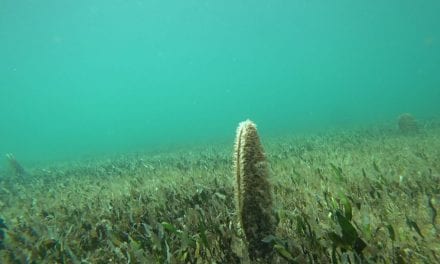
{"type": "Point", "coordinates": [252, 190]}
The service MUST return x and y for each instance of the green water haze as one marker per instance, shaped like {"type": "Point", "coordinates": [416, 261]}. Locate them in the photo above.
{"type": "Point", "coordinates": [96, 77]}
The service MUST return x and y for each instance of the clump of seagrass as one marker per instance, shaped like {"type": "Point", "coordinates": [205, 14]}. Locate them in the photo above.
{"type": "Point", "coordinates": [253, 191]}
{"type": "Point", "coordinates": [407, 123]}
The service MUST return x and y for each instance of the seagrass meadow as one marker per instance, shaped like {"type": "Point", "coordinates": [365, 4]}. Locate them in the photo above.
{"type": "Point", "coordinates": [359, 195]}
{"type": "Point", "coordinates": [219, 131]}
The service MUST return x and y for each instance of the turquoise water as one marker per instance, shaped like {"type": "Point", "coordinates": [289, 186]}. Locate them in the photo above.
{"type": "Point", "coordinates": [95, 77]}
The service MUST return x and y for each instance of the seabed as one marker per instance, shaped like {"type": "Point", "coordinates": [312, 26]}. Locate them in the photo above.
{"type": "Point", "coordinates": [364, 195]}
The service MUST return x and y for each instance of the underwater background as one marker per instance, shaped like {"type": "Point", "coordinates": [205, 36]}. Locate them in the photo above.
{"type": "Point", "coordinates": [93, 77]}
